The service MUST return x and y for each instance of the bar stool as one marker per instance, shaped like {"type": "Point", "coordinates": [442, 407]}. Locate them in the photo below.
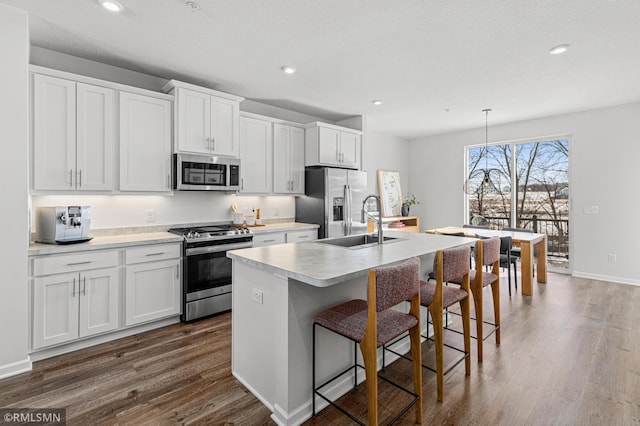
{"type": "Point", "coordinates": [373, 323]}
{"type": "Point", "coordinates": [448, 265]}
{"type": "Point", "coordinates": [487, 253]}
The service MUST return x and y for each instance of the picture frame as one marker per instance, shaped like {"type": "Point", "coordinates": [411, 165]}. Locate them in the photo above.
{"type": "Point", "coordinates": [390, 192]}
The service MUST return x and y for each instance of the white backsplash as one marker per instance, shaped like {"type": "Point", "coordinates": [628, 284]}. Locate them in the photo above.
{"type": "Point", "coordinates": [119, 211]}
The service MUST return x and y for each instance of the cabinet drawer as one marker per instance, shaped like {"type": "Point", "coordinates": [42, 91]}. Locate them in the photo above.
{"type": "Point", "coordinates": [55, 264]}
{"type": "Point", "coordinates": [298, 236]}
{"type": "Point", "coordinates": [152, 253]}
{"type": "Point", "coordinates": [260, 240]}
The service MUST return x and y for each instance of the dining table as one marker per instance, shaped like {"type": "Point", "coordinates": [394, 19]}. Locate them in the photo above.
{"type": "Point", "coordinates": [526, 240]}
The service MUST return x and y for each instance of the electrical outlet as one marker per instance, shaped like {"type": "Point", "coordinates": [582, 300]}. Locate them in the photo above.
{"type": "Point", "coordinates": [150, 215]}
{"type": "Point", "coordinates": [591, 209]}
{"type": "Point", "coordinates": [276, 211]}
{"type": "Point", "coordinates": [256, 295]}
{"type": "Point", "coordinates": [612, 258]}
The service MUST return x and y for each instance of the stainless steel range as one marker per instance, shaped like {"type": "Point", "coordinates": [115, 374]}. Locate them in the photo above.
{"type": "Point", "coordinates": [207, 270]}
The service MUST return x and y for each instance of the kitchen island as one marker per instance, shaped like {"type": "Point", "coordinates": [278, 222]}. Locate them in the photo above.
{"type": "Point", "coordinates": [276, 292]}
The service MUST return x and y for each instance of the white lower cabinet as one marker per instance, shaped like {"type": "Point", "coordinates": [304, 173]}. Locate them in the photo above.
{"type": "Point", "coordinates": [74, 305]}
{"type": "Point", "coordinates": [86, 293]}
{"type": "Point", "coordinates": [152, 286]}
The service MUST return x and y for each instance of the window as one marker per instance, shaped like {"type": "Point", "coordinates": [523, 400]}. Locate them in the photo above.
{"type": "Point", "coordinates": [539, 191]}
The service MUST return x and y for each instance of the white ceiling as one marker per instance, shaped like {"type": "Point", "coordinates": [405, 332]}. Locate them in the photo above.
{"type": "Point", "coordinates": [421, 57]}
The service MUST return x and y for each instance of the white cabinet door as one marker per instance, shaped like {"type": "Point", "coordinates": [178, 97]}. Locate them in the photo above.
{"type": "Point", "coordinates": [95, 138]}
{"type": "Point", "coordinates": [145, 143]}
{"type": "Point", "coordinates": [152, 291]}
{"type": "Point", "coordinates": [281, 159]}
{"type": "Point", "coordinates": [288, 159]}
{"type": "Point", "coordinates": [296, 160]}
{"type": "Point", "coordinates": [73, 135]}
{"type": "Point", "coordinates": [54, 133]}
{"type": "Point", "coordinates": [98, 291]}
{"type": "Point", "coordinates": [329, 148]}
{"type": "Point", "coordinates": [194, 121]}
{"type": "Point", "coordinates": [349, 149]}
{"type": "Point", "coordinates": [55, 309]}
{"type": "Point", "coordinates": [256, 151]}
{"type": "Point", "coordinates": [224, 127]}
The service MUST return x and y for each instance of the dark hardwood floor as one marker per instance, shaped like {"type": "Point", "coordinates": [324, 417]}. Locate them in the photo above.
{"type": "Point", "coordinates": [570, 355]}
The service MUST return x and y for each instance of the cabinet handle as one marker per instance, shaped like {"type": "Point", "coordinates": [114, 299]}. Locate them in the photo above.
{"type": "Point", "coordinates": [79, 178]}
{"type": "Point", "coordinates": [269, 241]}
{"type": "Point", "coordinates": [169, 180]}
{"type": "Point", "coordinates": [242, 184]}
{"type": "Point", "coordinates": [70, 178]}
{"type": "Point", "coordinates": [84, 286]}
{"type": "Point", "coordinates": [79, 263]}
{"type": "Point", "coordinates": [213, 144]}
{"type": "Point", "coordinates": [155, 254]}
{"type": "Point", "coordinates": [178, 271]}
{"type": "Point", "coordinates": [73, 292]}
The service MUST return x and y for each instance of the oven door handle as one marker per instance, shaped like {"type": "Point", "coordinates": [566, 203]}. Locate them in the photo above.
{"type": "Point", "coordinates": [217, 249]}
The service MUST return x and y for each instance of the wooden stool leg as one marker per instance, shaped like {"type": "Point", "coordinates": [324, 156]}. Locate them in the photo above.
{"type": "Point", "coordinates": [416, 356]}
{"type": "Point", "coordinates": [465, 307]}
{"type": "Point", "coordinates": [436, 320]}
{"type": "Point", "coordinates": [369, 355]}
{"type": "Point", "coordinates": [495, 289]}
{"type": "Point", "coordinates": [477, 301]}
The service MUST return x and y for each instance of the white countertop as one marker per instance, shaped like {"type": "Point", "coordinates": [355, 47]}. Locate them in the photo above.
{"type": "Point", "coordinates": [105, 242]}
{"type": "Point", "coordinates": [126, 239]}
{"type": "Point", "coordinates": [323, 265]}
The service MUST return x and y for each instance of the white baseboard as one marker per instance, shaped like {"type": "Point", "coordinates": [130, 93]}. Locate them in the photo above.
{"type": "Point", "coordinates": [14, 368]}
{"type": "Point", "coordinates": [609, 278]}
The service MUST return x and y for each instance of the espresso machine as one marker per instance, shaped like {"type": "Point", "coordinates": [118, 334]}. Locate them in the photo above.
{"type": "Point", "coordinates": [63, 225]}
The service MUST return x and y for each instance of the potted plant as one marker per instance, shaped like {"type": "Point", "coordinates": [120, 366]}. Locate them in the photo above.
{"type": "Point", "coordinates": [408, 200]}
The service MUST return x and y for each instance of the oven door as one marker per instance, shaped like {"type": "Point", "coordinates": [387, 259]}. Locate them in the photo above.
{"type": "Point", "coordinates": [208, 270]}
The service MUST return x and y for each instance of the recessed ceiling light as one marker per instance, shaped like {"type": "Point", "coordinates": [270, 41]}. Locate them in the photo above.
{"type": "Point", "coordinates": [559, 49]}
{"type": "Point", "coordinates": [376, 102]}
{"type": "Point", "coordinates": [112, 5]}
{"type": "Point", "coordinates": [288, 69]}
{"type": "Point", "coordinates": [193, 5]}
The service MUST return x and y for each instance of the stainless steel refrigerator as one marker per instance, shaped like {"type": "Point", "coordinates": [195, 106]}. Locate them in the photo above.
{"type": "Point", "coordinates": [333, 199]}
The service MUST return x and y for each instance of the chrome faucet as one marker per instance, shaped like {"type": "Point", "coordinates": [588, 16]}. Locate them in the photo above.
{"type": "Point", "coordinates": [378, 219]}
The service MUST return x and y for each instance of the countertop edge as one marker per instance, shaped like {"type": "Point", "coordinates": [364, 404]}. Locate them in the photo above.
{"type": "Point", "coordinates": [105, 242]}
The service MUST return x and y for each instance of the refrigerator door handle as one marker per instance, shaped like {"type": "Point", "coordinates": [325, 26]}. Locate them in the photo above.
{"type": "Point", "coordinates": [348, 213]}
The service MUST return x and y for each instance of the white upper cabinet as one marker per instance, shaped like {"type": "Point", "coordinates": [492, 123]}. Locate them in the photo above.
{"type": "Point", "coordinates": [73, 135]}
{"type": "Point", "coordinates": [329, 145]}
{"type": "Point", "coordinates": [145, 143]}
{"type": "Point", "coordinates": [207, 121]}
{"type": "Point", "coordinates": [256, 155]}
{"type": "Point", "coordinates": [288, 159]}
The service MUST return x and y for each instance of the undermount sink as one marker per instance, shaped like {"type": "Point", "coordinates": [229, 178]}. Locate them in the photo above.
{"type": "Point", "coordinates": [358, 241]}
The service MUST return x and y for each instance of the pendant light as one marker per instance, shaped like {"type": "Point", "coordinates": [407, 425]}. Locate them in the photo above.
{"type": "Point", "coordinates": [487, 181]}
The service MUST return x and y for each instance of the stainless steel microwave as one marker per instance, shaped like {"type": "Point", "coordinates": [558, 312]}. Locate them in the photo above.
{"type": "Point", "coordinates": [195, 172]}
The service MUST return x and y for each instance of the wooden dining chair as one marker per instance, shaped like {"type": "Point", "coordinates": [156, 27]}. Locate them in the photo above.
{"type": "Point", "coordinates": [372, 324]}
